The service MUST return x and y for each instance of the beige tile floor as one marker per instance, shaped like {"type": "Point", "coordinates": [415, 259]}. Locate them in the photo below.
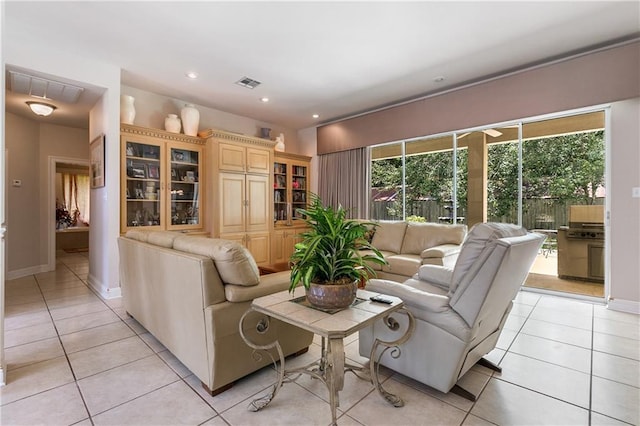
{"type": "Point", "coordinates": [76, 359]}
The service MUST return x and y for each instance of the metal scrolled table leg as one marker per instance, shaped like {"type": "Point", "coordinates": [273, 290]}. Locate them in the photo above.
{"type": "Point", "coordinates": [374, 363]}
{"type": "Point", "coordinates": [261, 327]}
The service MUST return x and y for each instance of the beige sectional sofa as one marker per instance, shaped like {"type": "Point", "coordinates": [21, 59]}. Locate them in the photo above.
{"type": "Point", "coordinates": [190, 292]}
{"type": "Point", "coordinates": [407, 245]}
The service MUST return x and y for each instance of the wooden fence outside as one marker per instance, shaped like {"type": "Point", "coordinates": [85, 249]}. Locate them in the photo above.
{"type": "Point", "coordinates": [536, 213]}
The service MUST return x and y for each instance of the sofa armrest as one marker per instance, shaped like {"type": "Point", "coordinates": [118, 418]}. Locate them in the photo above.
{"type": "Point", "coordinates": [269, 284]}
{"type": "Point", "coordinates": [410, 296]}
{"type": "Point", "coordinates": [443, 250]}
{"type": "Point", "coordinates": [436, 275]}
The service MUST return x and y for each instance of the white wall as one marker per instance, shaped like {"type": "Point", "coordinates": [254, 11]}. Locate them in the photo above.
{"type": "Point", "coordinates": [152, 108]}
{"type": "Point", "coordinates": [308, 145]}
{"type": "Point", "coordinates": [625, 210]}
{"type": "Point", "coordinates": [30, 145]}
{"type": "Point", "coordinates": [23, 210]}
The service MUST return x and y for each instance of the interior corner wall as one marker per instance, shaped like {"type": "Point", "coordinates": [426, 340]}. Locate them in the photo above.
{"type": "Point", "coordinates": [596, 78]}
{"type": "Point", "coordinates": [30, 145]}
{"type": "Point", "coordinates": [625, 210]}
{"type": "Point", "coordinates": [23, 210]}
{"type": "Point", "coordinates": [152, 109]}
{"type": "Point", "coordinates": [307, 140]}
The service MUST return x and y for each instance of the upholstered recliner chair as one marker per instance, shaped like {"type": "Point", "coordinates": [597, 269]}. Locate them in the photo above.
{"type": "Point", "coordinates": [459, 313]}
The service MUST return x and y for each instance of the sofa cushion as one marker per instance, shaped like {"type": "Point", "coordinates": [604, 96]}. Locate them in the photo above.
{"type": "Point", "coordinates": [163, 238]}
{"type": "Point", "coordinates": [389, 236]}
{"type": "Point", "coordinates": [375, 266]}
{"type": "Point", "coordinates": [420, 236]}
{"type": "Point", "coordinates": [478, 238]}
{"type": "Point", "coordinates": [233, 262]}
{"type": "Point", "coordinates": [138, 235]}
{"type": "Point", "coordinates": [402, 264]}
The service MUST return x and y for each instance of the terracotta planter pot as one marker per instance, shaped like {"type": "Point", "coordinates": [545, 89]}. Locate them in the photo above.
{"type": "Point", "coordinates": [338, 296]}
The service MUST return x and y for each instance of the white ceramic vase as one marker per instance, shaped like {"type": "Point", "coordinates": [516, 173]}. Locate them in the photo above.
{"type": "Point", "coordinates": [127, 109]}
{"type": "Point", "coordinates": [172, 123]}
{"type": "Point", "coordinates": [190, 120]}
{"type": "Point", "coordinates": [280, 143]}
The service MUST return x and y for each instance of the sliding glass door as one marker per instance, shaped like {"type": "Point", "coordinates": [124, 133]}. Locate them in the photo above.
{"type": "Point", "coordinates": [546, 175]}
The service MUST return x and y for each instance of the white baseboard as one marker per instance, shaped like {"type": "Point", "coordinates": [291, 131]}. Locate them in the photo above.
{"type": "Point", "coordinates": [624, 306]}
{"type": "Point", "coordinates": [104, 291]}
{"type": "Point", "coordinates": [32, 270]}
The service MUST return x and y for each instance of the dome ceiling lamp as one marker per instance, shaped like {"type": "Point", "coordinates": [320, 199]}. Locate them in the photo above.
{"type": "Point", "coordinates": [41, 108]}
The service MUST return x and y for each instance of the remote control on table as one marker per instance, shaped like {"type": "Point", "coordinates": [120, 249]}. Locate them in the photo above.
{"type": "Point", "coordinates": [381, 299]}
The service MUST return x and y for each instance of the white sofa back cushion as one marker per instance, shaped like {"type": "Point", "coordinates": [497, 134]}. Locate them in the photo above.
{"type": "Point", "coordinates": [233, 261]}
{"type": "Point", "coordinates": [389, 235]}
{"type": "Point", "coordinates": [420, 236]}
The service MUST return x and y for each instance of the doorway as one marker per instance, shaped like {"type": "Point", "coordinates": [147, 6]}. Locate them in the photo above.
{"type": "Point", "coordinates": [77, 231]}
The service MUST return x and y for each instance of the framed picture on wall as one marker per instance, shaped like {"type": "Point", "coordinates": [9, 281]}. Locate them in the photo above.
{"type": "Point", "coordinates": [96, 154]}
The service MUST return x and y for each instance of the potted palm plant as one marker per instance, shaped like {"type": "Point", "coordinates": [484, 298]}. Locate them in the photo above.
{"type": "Point", "coordinates": [331, 259]}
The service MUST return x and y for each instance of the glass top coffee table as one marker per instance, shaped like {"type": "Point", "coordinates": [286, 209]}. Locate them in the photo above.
{"type": "Point", "coordinates": [333, 327]}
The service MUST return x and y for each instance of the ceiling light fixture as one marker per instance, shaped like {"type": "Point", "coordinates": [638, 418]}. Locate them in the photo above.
{"type": "Point", "coordinates": [315, 116]}
{"type": "Point", "coordinates": [265, 99]}
{"type": "Point", "coordinates": [40, 108]}
{"type": "Point", "coordinates": [192, 75]}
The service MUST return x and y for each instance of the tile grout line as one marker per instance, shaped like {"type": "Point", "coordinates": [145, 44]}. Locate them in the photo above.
{"type": "Point", "coordinates": [73, 374]}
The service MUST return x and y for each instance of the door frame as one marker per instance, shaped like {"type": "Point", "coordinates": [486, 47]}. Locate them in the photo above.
{"type": "Point", "coordinates": [51, 204]}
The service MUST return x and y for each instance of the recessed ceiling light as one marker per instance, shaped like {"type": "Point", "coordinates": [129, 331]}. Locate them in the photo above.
{"type": "Point", "coordinates": [265, 99]}
{"type": "Point", "coordinates": [316, 116]}
{"type": "Point", "coordinates": [439, 79]}
{"type": "Point", "coordinates": [192, 75]}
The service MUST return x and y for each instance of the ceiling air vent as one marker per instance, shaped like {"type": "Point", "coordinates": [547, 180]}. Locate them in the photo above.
{"type": "Point", "coordinates": [43, 88]}
{"type": "Point", "coordinates": [247, 82]}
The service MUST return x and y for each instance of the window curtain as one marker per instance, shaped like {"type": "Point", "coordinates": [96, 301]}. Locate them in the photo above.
{"type": "Point", "coordinates": [75, 197]}
{"type": "Point", "coordinates": [343, 179]}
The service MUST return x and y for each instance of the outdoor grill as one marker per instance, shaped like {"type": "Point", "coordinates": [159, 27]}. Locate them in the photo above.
{"type": "Point", "coordinates": [581, 244]}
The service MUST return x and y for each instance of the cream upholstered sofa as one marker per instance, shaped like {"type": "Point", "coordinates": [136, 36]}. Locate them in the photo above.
{"type": "Point", "coordinates": [190, 292]}
{"type": "Point", "coordinates": [459, 312]}
{"type": "Point", "coordinates": [408, 245]}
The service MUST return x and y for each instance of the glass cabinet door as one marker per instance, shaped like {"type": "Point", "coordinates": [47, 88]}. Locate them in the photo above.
{"type": "Point", "coordinates": [298, 190]}
{"type": "Point", "coordinates": [142, 184]}
{"type": "Point", "coordinates": [280, 198]}
{"type": "Point", "coordinates": [184, 187]}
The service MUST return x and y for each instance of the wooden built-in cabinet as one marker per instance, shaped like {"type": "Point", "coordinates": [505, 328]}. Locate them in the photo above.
{"type": "Point", "coordinates": [290, 193]}
{"type": "Point", "coordinates": [162, 180]}
{"type": "Point", "coordinates": [244, 159]}
{"type": "Point", "coordinates": [242, 176]}
{"type": "Point", "coordinates": [283, 243]}
{"type": "Point", "coordinates": [290, 188]}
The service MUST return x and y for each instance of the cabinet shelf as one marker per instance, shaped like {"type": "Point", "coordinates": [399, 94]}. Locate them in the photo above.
{"type": "Point", "coordinates": [290, 173]}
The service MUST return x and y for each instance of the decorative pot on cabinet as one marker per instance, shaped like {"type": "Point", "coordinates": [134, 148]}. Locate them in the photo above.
{"type": "Point", "coordinates": [190, 120]}
{"type": "Point", "coordinates": [172, 123]}
{"type": "Point", "coordinates": [127, 109]}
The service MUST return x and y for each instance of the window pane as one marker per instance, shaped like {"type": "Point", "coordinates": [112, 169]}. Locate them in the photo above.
{"type": "Point", "coordinates": [386, 182]}
{"type": "Point", "coordinates": [429, 179]}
